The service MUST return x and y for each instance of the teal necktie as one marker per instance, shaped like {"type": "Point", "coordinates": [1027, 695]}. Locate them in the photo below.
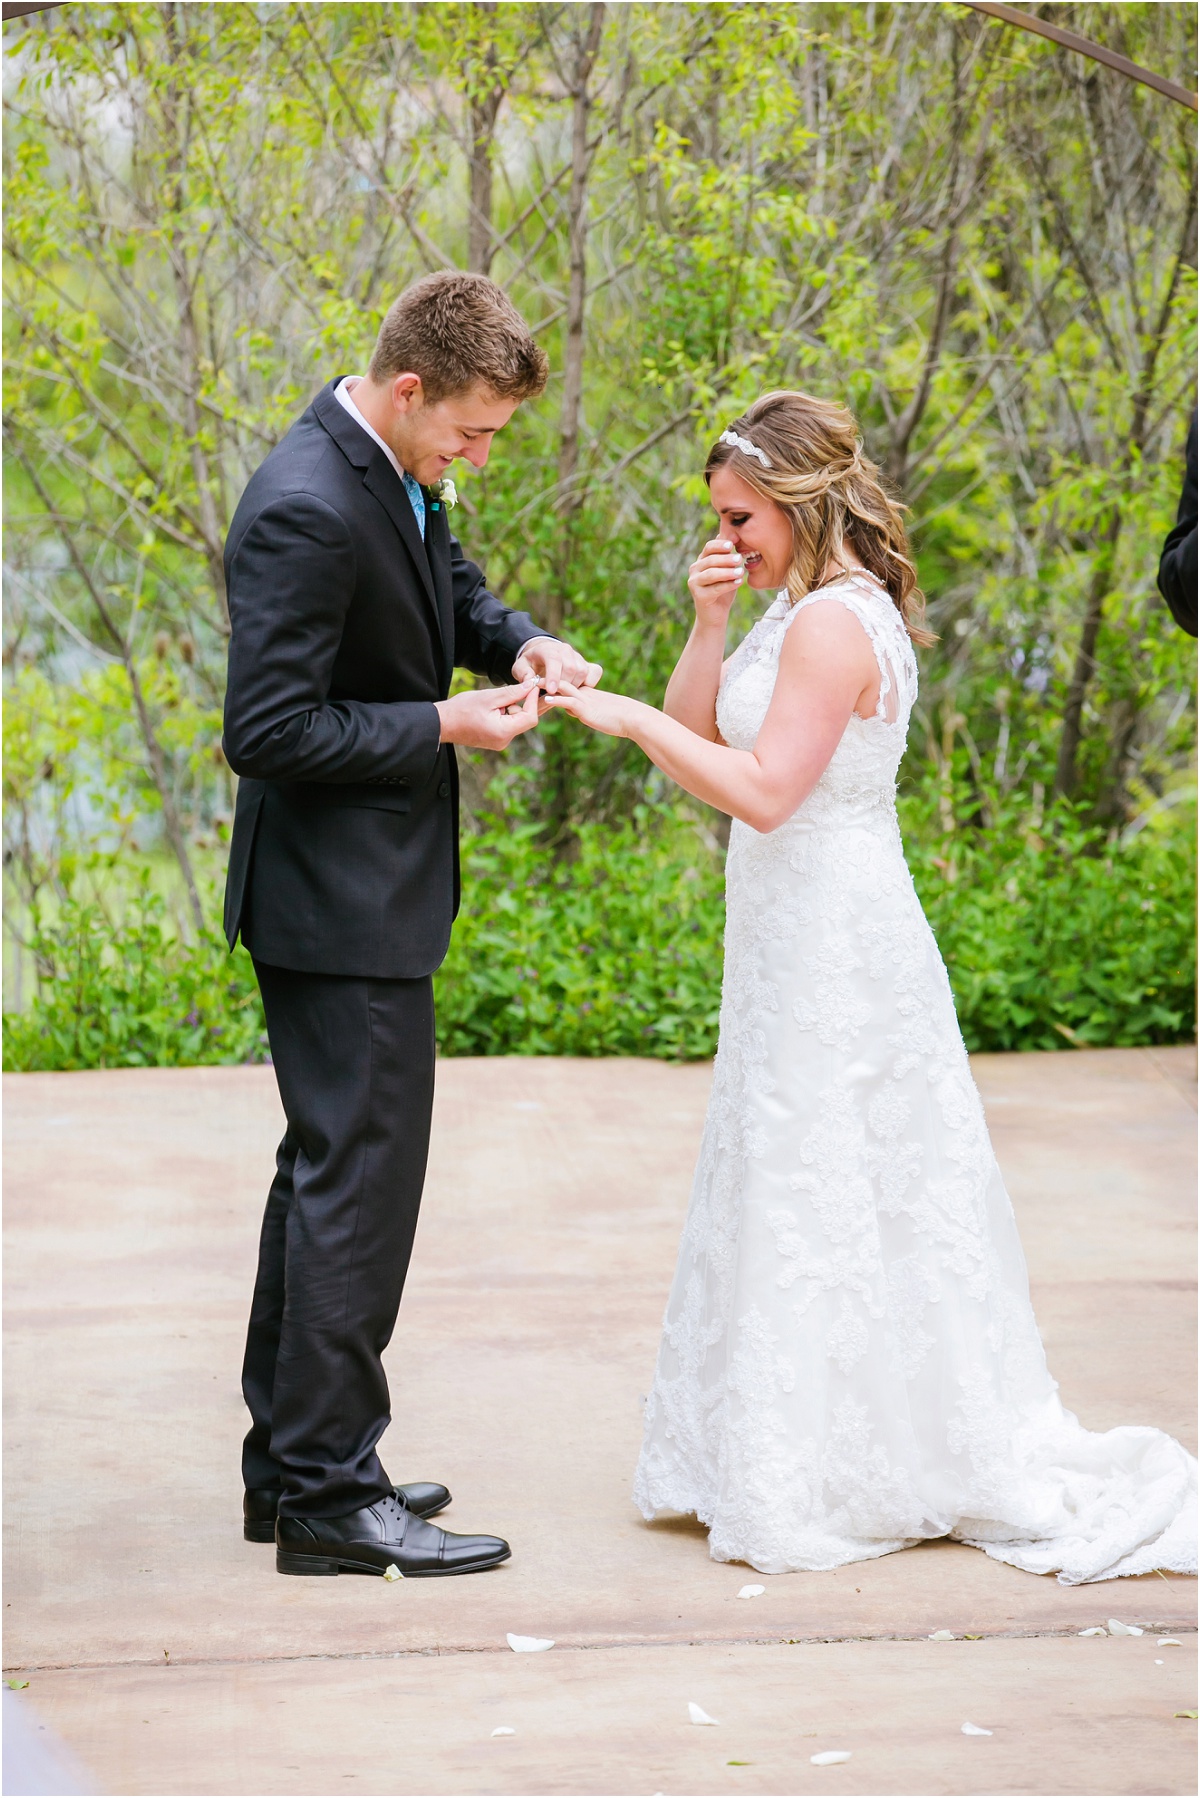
{"type": "Point", "coordinates": [413, 489]}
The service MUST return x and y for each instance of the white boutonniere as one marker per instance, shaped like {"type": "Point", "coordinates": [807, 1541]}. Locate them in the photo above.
{"type": "Point", "coordinates": [447, 492]}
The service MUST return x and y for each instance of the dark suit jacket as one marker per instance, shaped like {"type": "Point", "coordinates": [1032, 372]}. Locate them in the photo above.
{"type": "Point", "coordinates": [1177, 565]}
{"type": "Point", "coordinates": [345, 629]}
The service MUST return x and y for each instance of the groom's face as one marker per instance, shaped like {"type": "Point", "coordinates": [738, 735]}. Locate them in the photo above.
{"type": "Point", "coordinates": [428, 438]}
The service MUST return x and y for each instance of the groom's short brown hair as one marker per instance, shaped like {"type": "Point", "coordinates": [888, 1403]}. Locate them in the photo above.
{"type": "Point", "coordinates": [459, 331]}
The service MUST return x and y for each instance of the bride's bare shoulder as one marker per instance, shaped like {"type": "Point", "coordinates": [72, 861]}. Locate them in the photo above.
{"type": "Point", "coordinates": [825, 623]}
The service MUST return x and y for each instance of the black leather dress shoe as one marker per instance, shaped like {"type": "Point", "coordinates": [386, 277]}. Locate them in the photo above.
{"type": "Point", "coordinates": [382, 1535]}
{"type": "Point", "coordinates": [260, 1506]}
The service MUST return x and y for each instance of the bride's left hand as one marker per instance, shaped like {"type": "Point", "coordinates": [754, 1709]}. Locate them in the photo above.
{"type": "Point", "coordinates": [609, 713]}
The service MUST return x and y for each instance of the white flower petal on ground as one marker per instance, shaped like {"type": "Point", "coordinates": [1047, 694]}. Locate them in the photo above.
{"type": "Point", "coordinates": [1094, 1632]}
{"type": "Point", "coordinates": [696, 1715]}
{"type": "Point", "coordinates": [752, 1591]}
{"type": "Point", "coordinates": [832, 1757]}
{"type": "Point", "coordinates": [973, 1729]}
{"type": "Point", "coordinates": [393, 1573]}
{"type": "Point", "coordinates": [1160, 1663]}
{"type": "Point", "coordinates": [528, 1644]}
{"type": "Point", "coordinates": [503, 1730]}
{"type": "Point", "coordinates": [1168, 1642]}
{"type": "Point", "coordinates": [942, 1635]}
{"type": "Point", "coordinates": [1117, 1628]}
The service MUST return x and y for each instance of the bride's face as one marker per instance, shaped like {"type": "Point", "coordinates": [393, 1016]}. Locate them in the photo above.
{"type": "Point", "coordinates": [758, 528]}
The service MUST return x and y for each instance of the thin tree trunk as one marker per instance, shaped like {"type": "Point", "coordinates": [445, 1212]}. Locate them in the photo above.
{"type": "Point", "coordinates": [154, 749]}
{"type": "Point", "coordinates": [1066, 773]}
{"type": "Point", "coordinates": [569, 417]}
{"type": "Point", "coordinates": [910, 418]}
{"type": "Point", "coordinates": [558, 768]}
{"type": "Point", "coordinates": [482, 112]}
{"type": "Point", "coordinates": [211, 525]}
{"type": "Point", "coordinates": [480, 238]}
{"type": "Point", "coordinates": [947, 279]}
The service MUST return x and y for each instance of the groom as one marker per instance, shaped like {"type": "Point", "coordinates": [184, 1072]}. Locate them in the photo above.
{"type": "Point", "coordinates": [351, 604]}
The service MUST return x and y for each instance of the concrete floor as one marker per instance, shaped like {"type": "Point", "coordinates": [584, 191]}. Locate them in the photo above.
{"type": "Point", "coordinates": [172, 1659]}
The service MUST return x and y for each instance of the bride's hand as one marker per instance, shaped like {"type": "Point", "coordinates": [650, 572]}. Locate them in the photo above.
{"type": "Point", "coordinates": [609, 713]}
{"type": "Point", "coordinates": [713, 581]}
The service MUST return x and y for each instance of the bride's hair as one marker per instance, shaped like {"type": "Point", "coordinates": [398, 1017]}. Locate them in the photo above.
{"type": "Point", "coordinates": [833, 495]}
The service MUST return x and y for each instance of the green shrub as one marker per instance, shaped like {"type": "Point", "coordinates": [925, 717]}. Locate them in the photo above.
{"type": "Point", "coordinates": [126, 993]}
{"type": "Point", "coordinates": [617, 952]}
{"type": "Point", "coordinates": [1057, 937]}
{"type": "Point", "coordinates": [1052, 938]}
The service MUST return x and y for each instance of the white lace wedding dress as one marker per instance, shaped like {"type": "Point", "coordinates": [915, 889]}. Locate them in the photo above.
{"type": "Point", "coordinates": [850, 1362]}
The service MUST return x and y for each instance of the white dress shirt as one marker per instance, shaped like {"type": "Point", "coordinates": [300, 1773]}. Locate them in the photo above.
{"type": "Point", "coordinates": [342, 393]}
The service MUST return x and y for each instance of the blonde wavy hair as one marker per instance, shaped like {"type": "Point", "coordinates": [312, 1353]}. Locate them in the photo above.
{"type": "Point", "coordinates": [833, 495]}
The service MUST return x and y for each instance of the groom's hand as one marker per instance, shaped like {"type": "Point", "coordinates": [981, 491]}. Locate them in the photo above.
{"type": "Point", "coordinates": [552, 661]}
{"type": "Point", "coordinates": [490, 717]}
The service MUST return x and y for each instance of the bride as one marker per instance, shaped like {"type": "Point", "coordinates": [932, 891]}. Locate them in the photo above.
{"type": "Point", "coordinates": [850, 1363]}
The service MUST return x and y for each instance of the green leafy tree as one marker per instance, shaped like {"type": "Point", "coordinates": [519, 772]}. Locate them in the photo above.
{"type": "Point", "coordinates": [984, 244]}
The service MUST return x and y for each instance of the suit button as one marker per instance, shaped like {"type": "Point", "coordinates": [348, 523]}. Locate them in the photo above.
{"type": "Point", "coordinates": [444, 790]}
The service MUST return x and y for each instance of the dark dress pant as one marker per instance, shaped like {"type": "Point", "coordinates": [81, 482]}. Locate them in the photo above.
{"type": "Point", "coordinates": [354, 1059]}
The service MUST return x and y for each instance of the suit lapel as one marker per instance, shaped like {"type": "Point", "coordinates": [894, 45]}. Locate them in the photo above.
{"type": "Point", "coordinates": [437, 543]}
{"type": "Point", "coordinates": [382, 480]}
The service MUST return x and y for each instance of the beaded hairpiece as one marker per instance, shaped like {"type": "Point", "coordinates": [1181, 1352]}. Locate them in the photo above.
{"type": "Point", "coordinates": [744, 444]}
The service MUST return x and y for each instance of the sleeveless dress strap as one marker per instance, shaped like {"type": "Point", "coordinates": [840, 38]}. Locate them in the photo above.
{"type": "Point", "coordinates": [866, 597]}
